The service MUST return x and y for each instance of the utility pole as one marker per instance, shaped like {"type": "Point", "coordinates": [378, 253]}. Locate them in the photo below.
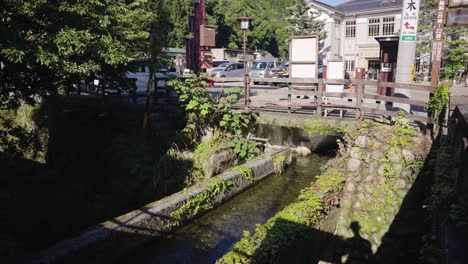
{"type": "Point", "coordinates": [406, 49]}
{"type": "Point", "coordinates": [193, 45]}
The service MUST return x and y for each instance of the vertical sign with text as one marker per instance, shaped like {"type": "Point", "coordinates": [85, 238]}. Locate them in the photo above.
{"type": "Point", "coordinates": [438, 42]}
{"type": "Point", "coordinates": [409, 22]}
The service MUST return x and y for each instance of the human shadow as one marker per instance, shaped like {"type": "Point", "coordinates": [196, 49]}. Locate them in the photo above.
{"type": "Point", "coordinates": [356, 249]}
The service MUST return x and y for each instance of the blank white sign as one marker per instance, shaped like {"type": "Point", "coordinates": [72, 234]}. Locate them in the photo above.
{"type": "Point", "coordinates": [304, 49]}
{"type": "Point", "coordinates": [303, 71]}
{"type": "Point", "coordinates": [335, 70]}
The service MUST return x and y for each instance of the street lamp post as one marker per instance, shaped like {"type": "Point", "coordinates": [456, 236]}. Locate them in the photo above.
{"type": "Point", "coordinates": [244, 26]}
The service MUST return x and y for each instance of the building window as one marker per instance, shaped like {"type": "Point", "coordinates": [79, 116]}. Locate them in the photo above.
{"type": "Point", "coordinates": [388, 26]}
{"type": "Point", "coordinates": [374, 27]}
{"type": "Point", "coordinates": [350, 29]}
{"type": "Point", "coordinates": [349, 65]}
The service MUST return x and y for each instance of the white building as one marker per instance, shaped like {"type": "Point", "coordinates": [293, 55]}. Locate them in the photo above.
{"type": "Point", "coordinates": [352, 28]}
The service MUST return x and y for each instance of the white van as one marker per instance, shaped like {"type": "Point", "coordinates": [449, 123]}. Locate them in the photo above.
{"type": "Point", "coordinates": [142, 74]}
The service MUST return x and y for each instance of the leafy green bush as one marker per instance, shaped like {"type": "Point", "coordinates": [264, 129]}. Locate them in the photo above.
{"type": "Point", "coordinates": [244, 148]}
{"type": "Point", "coordinates": [438, 102]}
{"type": "Point", "coordinates": [203, 111]}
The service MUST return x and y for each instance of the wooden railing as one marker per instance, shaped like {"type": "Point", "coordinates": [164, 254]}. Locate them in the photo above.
{"type": "Point", "coordinates": [358, 99]}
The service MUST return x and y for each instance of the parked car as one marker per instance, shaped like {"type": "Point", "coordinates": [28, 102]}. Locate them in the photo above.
{"type": "Point", "coordinates": [232, 70]}
{"type": "Point", "coordinates": [222, 66]}
{"type": "Point", "coordinates": [217, 63]}
{"type": "Point", "coordinates": [259, 68]}
{"type": "Point", "coordinates": [141, 73]}
{"type": "Point", "coordinates": [281, 72]}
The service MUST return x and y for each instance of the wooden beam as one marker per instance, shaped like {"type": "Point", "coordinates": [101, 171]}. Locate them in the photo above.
{"type": "Point", "coordinates": [366, 110]}
{"type": "Point", "coordinates": [418, 87]}
{"type": "Point", "coordinates": [394, 99]}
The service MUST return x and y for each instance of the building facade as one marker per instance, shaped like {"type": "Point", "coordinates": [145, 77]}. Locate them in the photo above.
{"type": "Point", "coordinates": [352, 28]}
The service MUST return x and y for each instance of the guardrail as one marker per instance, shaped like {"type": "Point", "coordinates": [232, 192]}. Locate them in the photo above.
{"type": "Point", "coordinates": [356, 99]}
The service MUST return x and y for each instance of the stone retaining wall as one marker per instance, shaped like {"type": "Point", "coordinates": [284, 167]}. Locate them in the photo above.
{"type": "Point", "coordinates": [105, 242]}
{"type": "Point", "coordinates": [381, 164]}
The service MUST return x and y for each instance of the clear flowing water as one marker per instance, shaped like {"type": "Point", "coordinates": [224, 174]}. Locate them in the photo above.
{"type": "Point", "coordinates": [209, 237]}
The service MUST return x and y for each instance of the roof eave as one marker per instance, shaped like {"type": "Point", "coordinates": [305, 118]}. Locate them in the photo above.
{"type": "Point", "coordinates": [330, 9]}
{"type": "Point", "coordinates": [373, 11]}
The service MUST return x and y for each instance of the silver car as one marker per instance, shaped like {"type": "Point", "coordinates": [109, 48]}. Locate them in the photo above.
{"type": "Point", "coordinates": [260, 67]}
{"type": "Point", "coordinates": [212, 72]}
{"type": "Point", "coordinates": [232, 70]}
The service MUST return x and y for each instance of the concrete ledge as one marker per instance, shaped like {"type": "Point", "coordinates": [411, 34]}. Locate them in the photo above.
{"type": "Point", "coordinates": [109, 240]}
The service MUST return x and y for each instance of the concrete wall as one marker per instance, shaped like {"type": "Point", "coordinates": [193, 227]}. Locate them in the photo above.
{"type": "Point", "coordinates": [107, 241]}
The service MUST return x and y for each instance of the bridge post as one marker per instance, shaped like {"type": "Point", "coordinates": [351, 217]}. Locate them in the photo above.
{"type": "Point", "coordinates": [319, 99]}
{"type": "Point", "coordinates": [360, 92]}
{"type": "Point", "coordinates": [289, 98]}
{"type": "Point", "coordinates": [248, 91]}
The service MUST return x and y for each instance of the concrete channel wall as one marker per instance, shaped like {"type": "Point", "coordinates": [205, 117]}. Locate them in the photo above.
{"type": "Point", "coordinates": [111, 239]}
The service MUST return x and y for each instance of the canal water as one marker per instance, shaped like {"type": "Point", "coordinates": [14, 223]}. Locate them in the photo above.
{"type": "Point", "coordinates": [209, 237]}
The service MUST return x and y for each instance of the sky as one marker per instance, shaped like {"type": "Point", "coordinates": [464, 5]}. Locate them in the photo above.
{"type": "Point", "coordinates": [332, 2]}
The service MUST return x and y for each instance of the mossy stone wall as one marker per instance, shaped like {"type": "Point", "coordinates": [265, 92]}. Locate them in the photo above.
{"type": "Point", "coordinates": [381, 165]}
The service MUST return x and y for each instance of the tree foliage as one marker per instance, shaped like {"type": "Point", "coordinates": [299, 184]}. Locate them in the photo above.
{"type": "Point", "coordinates": [304, 21]}
{"type": "Point", "coordinates": [268, 31]}
{"type": "Point", "coordinates": [455, 46]}
{"type": "Point", "coordinates": [46, 44]}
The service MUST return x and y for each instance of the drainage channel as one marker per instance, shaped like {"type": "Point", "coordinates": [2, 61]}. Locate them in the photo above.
{"type": "Point", "coordinates": [209, 237]}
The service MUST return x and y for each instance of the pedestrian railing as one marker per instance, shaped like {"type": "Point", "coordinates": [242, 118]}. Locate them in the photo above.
{"type": "Point", "coordinates": [357, 96]}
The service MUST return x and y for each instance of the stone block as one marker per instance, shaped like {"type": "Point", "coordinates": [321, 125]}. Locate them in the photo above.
{"type": "Point", "coordinates": [350, 187]}
{"type": "Point", "coordinates": [373, 167]}
{"type": "Point", "coordinates": [397, 168]}
{"type": "Point", "coordinates": [408, 155]}
{"type": "Point", "coordinates": [357, 205]}
{"type": "Point", "coordinates": [354, 164]}
{"type": "Point", "coordinates": [402, 193]}
{"type": "Point", "coordinates": [377, 154]}
{"type": "Point", "coordinates": [362, 141]}
{"type": "Point", "coordinates": [355, 153]}
{"type": "Point", "coordinates": [303, 151]}
{"type": "Point", "coordinates": [399, 184]}
{"type": "Point", "coordinates": [381, 170]}
{"type": "Point", "coordinates": [394, 155]}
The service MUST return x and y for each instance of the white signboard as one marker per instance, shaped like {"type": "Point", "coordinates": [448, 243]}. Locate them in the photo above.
{"type": "Point", "coordinates": [303, 71]}
{"type": "Point", "coordinates": [409, 20]}
{"type": "Point", "coordinates": [335, 70]}
{"type": "Point", "coordinates": [303, 51]}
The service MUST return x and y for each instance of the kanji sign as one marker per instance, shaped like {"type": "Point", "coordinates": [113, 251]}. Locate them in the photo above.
{"type": "Point", "coordinates": [438, 42]}
{"type": "Point", "coordinates": [409, 20]}
{"type": "Point", "coordinates": [456, 3]}
{"type": "Point", "coordinates": [457, 17]}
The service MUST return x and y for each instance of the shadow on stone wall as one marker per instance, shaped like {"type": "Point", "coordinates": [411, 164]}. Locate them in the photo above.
{"type": "Point", "coordinates": [401, 243]}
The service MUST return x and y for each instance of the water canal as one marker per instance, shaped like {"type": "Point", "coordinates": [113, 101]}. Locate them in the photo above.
{"type": "Point", "coordinates": [209, 237]}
